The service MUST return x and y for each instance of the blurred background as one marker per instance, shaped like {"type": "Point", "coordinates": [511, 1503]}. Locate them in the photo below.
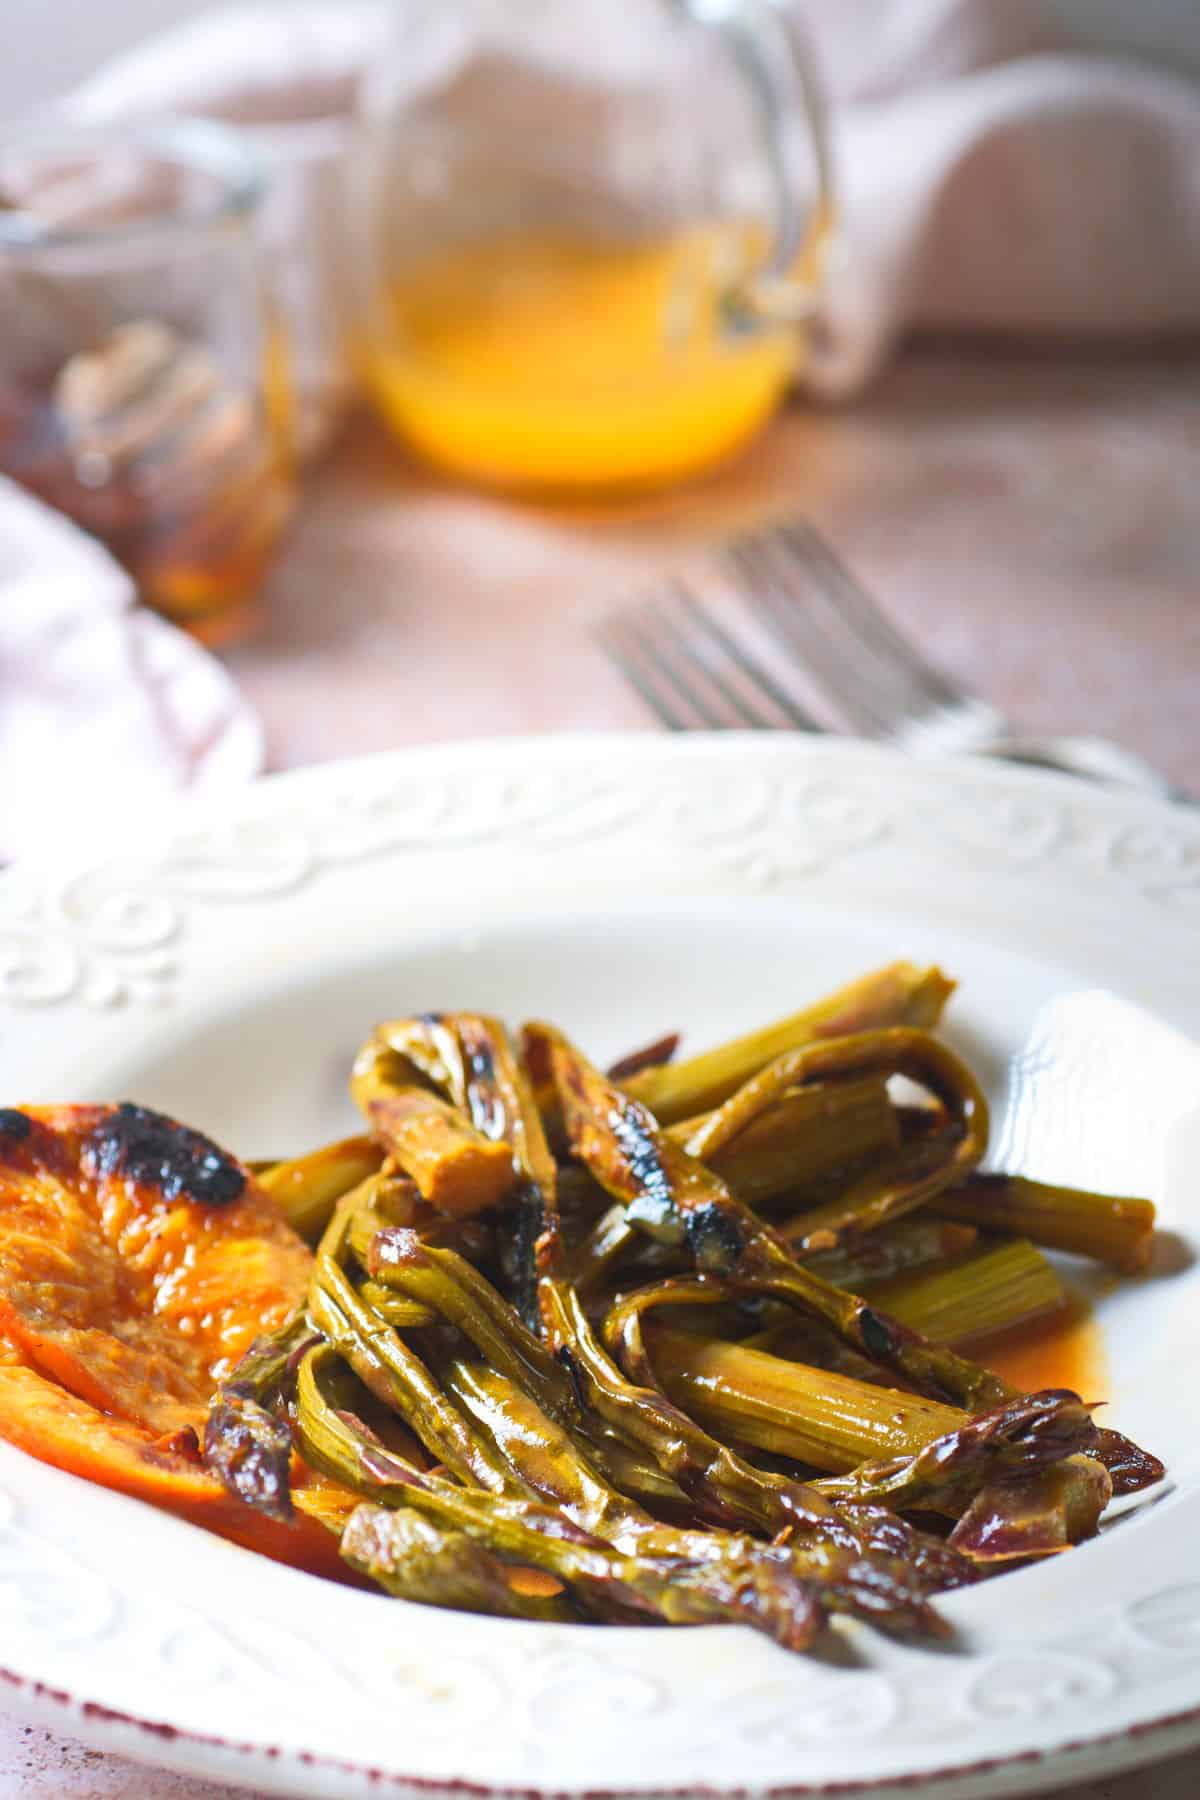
{"type": "Point", "coordinates": [60, 41]}
{"type": "Point", "coordinates": [360, 361]}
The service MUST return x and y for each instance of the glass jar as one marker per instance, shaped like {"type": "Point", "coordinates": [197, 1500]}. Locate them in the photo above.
{"type": "Point", "coordinates": [589, 234]}
{"type": "Point", "coordinates": [144, 385]}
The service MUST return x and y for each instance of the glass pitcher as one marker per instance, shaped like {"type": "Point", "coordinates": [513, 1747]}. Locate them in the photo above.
{"type": "Point", "coordinates": [590, 233]}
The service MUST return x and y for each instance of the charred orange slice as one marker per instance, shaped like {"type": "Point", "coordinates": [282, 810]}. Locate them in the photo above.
{"type": "Point", "coordinates": [137, 1262]}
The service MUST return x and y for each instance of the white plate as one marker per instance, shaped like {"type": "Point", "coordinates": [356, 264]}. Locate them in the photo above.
{"type": "Point", "coordinates": [225, 967]}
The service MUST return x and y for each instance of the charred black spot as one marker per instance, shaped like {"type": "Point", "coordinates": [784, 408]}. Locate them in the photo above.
{"type": "Point", "coordinates": [877, 1337]}
{"type": "Point", "coordinates": [430, 1018]}
{"type": "Point", "coordinates": [714, 1237]}
{"type": "Point", "coordinates": [14, 1124]}
{"type": "Point", "coordinates": [488, 1112]}
{"type": "Point", "coordinates": [639, 1144]}
{"type": "Point", "coordinates": [146, 1146]}
{"type": "Point", "coordinates": [519, 1254]}
{"type": "Point", "coordinates": [566, 1356]}
{"type": "Point", "coordinates": [985, 1182]}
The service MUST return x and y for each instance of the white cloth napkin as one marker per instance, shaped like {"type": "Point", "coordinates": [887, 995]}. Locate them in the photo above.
{"type": "Point", "coordinates": [103, 706]}
{"type": "Point", "coordinates": [993, 175]}
{"type": "Point", "coordinates": [997, 177]}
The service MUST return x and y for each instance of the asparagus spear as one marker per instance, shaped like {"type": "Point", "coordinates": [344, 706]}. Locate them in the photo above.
{"type": "Point", "coordinates": [999, 1288]}
{"type": "Point", "coordinates": [768, 1596]}
{"type": "Point", "coordinates": [802, 1137]}
{"type": "Point", "coordinates": [901, 994]}
{"type": "Point", "coordinates": [457, 1169]}
{"type": "Point", "coordinates": [899, 1448]}
{"type": "Point", "coordinates": [604, 1246]}
{"type": "Point", "coordinates": [1018, 1439]}
{"type": "Point", "coordinates": [883, 1192]}
{"type": "Point", "coordinates": [668, 1192]}
{"type": "Point", "coordinates": [843, 1124]}
{"type": "Point", "coordinates": [246, 1444]}
{"type": "Point", "coordinates": [1038, 1514]}
{"type": "Point", "coordinates": [393, 1308]}
{"type": "Point", "coordinates": [622, 1328]}
{"type": "Point", "coordinates": [451, 1287]}
{"type": "Point", "coordinates": [250, 1451]}
{"type": "Point", "coordinates": [816, 1416]}
{"type": "Point", "coordinates": [393, 1372]}
{"type": "Point", "coordinates": [1130, 1468]}
{"type": "Point", "coordinates": [1111, 1229]}
{"type": "Point", "coordinates": [949, 1301]}
{"type": "Point", "coordinates": [1016, 1475]}
{"type": "Point", "coordinates": [724, 1487]}
{"type": "Point", "coordinates": [416, 1559]}
{"type": "Point", "coordinates": [469, 1059]}
{"type": "Point", "coordinates": [549, 1459]}
{"type": "Point", "coordinates": [671, 1193]}
{"type": "Point", "coordinates": [887, 1590]}
{"type": "Point", "coordinates": [498, 1089]}
{"type": "Point", "coordinates": [916, 1170]}
{"type": "Point", "coordinates": [911, 1244]}
{"type": "Point", "coordinates": [307, 1187]}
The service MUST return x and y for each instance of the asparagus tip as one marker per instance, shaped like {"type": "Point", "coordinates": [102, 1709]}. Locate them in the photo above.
{"type": "Point", "coordinates": [250, 1451]}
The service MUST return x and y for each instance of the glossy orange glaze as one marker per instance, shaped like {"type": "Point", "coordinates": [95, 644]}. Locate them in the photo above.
{"type": "Point", "coordinates": [1064, 1351]}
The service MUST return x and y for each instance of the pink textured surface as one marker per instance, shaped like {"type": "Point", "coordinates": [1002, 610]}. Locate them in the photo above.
{"type": "Point", "coordinates": [1033, 523]}
{"type": "Point", "coordinates": [39, 1765]}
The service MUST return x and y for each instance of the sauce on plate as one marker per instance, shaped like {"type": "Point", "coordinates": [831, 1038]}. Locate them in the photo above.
{"type": "Point", "coordinates": [1065, 1350]}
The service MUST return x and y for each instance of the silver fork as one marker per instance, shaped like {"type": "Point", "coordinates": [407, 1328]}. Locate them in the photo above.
{"type": "Point", "coordinates": [695, 669]}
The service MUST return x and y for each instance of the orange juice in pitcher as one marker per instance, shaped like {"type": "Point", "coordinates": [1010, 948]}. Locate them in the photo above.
{"type": "Point", "coordinates": [590, 279]}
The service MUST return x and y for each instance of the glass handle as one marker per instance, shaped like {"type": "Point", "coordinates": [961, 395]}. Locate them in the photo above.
{"type": "Point", "coordinates": [771, 53]}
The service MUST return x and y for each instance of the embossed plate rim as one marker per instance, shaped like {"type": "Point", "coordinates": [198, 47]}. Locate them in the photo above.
{"type": "Point", "coordinates": [138, 939]}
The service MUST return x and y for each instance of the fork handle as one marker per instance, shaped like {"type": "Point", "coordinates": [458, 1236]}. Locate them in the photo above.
{"type": "Point", "coordinates": [1095, 759]}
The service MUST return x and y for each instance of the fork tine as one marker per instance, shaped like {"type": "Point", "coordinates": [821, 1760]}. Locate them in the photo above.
{"type": "Point", "coordinates": [758, 677]}
{"type": "Point", "coordinates": [640, 632]}
{"type": "Point", "coordinates": [679, 604]}
{"type": "Point", "coordinates": [870, 690]}
{"type": "Point", "coordinates": [611, 640]}
{"type": "Point", "coordinates": [857, 606]}
{"type": "Point", "coordinates": [772, 600]}
{"type": "Point", "coordinates": [691, 671]}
